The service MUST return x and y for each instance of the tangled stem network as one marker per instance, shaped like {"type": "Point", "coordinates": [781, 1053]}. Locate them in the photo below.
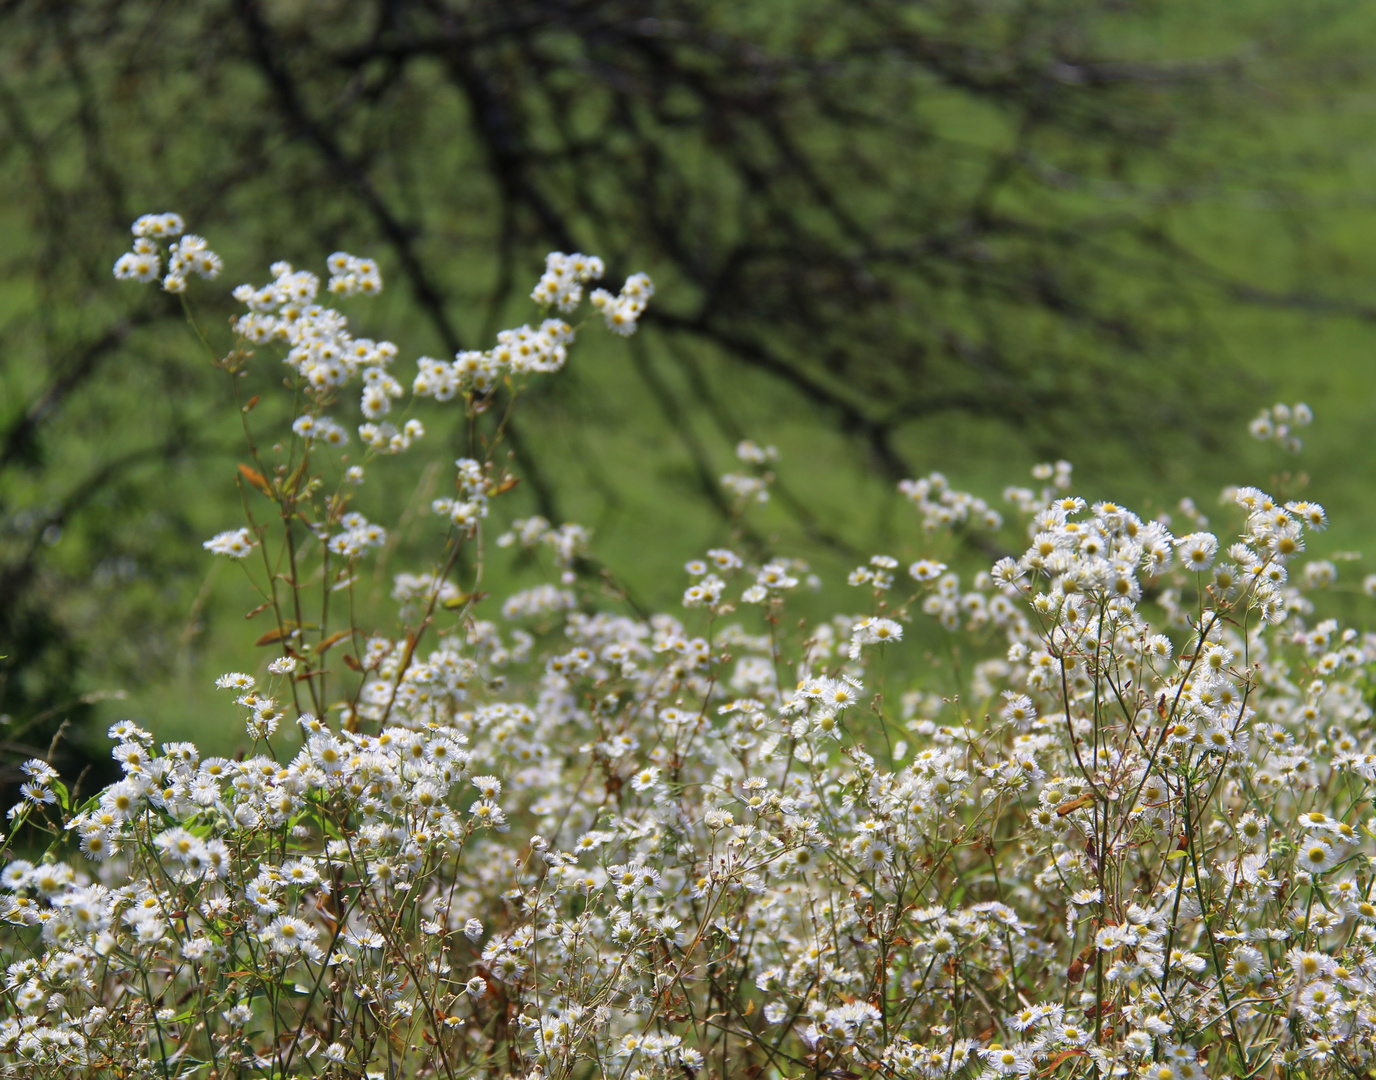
{"type": "Point", "coordinates": [569, 841]}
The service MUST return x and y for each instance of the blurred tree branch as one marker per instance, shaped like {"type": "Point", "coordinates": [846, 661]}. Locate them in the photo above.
{"type": "Point", "coordinates": [894, 210]}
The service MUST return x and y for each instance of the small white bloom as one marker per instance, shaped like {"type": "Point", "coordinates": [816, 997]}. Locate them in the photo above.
{"type": "Point", "coordinates": [236, 544]}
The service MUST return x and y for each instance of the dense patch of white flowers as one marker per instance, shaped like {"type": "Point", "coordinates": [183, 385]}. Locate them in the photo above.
{"type": "Point", "coordinates": [572, 841]}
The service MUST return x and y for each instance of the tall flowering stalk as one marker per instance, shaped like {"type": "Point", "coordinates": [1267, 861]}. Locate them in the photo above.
{"type": "Point", "coordinates": [565, 841]}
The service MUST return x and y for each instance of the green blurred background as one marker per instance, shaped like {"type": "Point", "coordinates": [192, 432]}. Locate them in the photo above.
{"type": "Point", "coordinates": [888, 238]}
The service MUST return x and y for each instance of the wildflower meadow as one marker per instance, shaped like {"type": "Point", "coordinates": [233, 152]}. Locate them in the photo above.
{"type": "Point", "coordinates": [550, 835]}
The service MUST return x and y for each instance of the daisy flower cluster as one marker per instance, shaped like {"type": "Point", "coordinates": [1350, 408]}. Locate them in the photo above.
{"type": "Point", "coordinates": [751, 487]}
{"type": "Point", "coordinates": [188, 255]}
{"type": "Point", "coordinates": [562, 282]}
{"type": "Point", "coordinates": [518, 352]}
{"type": "Point", "coordinates": [1101, 808]}
{"type": "Point", "coordinates": [622, 311]}
{"type": "Point", "coordinates": [1278, 424]}
{"type": "Point", "coordinates": [942, 507]}
{"type": "Point", "coordinates": [351, 276]}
